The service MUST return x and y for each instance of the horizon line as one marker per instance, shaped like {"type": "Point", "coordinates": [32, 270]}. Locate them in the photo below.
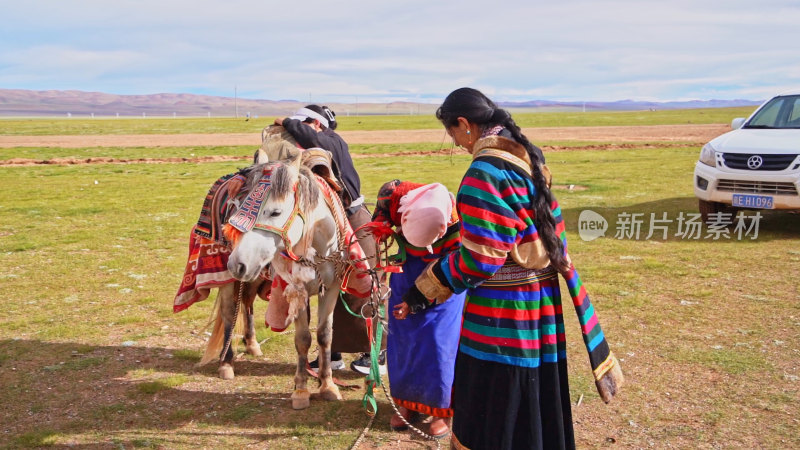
{"type": "Point", "coordinates": [389, 101]}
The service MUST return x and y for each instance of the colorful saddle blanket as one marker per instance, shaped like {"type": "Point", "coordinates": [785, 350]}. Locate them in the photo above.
{"type": "Point", "coordinates": [207, 267]}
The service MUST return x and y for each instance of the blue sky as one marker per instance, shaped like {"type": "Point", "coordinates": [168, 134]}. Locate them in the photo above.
{"type": "Point", "coordinates": [348, 51]}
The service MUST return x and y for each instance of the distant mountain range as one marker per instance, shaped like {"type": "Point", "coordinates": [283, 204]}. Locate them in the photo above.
{"type": "Point", "coordinates": [633, 105]}
{"type": "Point", "coordinates": [27, 103]}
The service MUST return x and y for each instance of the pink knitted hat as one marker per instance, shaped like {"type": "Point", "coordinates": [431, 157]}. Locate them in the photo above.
{"type": "Point", "coordinates": [425, 212]}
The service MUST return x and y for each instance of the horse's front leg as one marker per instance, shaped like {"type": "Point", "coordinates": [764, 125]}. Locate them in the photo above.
{"type": "Point", "coordinates": [301, 398]}
{"type": "Point", "coordinates": [250, 341]}
{"type": "Point", "coordinates": [328, 389]}
{"type": "Point", "coordinates": [227, 313]}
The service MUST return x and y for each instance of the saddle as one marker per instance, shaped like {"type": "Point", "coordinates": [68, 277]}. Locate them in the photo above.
{"type": "Point", "coordinates": [320, 162]}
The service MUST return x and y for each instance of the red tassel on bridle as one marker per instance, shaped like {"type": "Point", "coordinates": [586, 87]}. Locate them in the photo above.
{"type": "Point", "coordinates": [232, 234]}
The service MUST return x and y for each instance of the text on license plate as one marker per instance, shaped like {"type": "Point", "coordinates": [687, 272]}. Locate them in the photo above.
{"type": "Point", "coordinates": [753, 201]}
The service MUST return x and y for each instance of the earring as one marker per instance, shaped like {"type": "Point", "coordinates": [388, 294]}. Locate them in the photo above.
{"type": "Point", "coordinates": [470, 137]}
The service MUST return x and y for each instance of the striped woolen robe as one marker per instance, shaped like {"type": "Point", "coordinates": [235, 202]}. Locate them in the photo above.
{"type": "Point", "coordinates": [515, 323]}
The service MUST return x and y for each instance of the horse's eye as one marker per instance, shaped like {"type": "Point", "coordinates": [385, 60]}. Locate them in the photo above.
{"type": "Point", "coordinates": [275, 213]}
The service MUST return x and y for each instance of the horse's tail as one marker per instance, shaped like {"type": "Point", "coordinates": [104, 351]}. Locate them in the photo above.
{"type": "Point", "coordinates": [217, 339]}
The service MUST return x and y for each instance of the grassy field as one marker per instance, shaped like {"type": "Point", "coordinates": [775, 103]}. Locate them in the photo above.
{"type": "Point", "coordinates": [79, 126]}
{"type": "Point", "coordinates": [91, 355]}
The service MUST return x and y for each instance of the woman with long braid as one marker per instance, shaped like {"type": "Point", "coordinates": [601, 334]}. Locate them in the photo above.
{"type": "Point", "coordinates": [510, 388]}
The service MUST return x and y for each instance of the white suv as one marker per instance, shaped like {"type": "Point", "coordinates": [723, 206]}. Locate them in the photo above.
{"type": "Point", "coordinates": [755, 166]}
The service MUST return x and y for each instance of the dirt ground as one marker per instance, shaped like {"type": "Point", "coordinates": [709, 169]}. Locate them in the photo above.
{"type": "Point", "coordinates": [613, 137]}
{"type": "Point", "coordinates": [679, 133]}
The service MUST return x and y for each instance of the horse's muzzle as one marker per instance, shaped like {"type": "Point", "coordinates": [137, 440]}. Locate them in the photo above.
{"type": "Point", "coordinates": [241, 272]}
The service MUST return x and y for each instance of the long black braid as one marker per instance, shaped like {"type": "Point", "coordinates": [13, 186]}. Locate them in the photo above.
{"type": "Point", "coordinates": [474, 106]}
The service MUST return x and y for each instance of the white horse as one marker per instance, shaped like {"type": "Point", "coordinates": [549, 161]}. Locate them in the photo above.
{"type": "Point", "coordinates": [284, 219]}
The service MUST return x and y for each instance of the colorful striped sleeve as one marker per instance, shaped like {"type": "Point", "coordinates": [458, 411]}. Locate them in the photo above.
{"type": "Point", "coordinates": [493, 204]}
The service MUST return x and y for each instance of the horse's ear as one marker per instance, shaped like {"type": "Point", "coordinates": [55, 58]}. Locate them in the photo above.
{"type": "Point", "coordinates": [260, 157]}
{"type": "Point", "coordinates": [294, 160]}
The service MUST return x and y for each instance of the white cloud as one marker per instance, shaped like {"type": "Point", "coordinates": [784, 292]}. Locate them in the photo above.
{"type": "Point", "coordinates": [515, 50]}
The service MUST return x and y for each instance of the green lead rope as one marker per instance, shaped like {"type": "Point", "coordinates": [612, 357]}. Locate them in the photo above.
{"type": "Point", "coordinates": [373, 378]}
{"type": "Point", "coordinates": [346, 306]}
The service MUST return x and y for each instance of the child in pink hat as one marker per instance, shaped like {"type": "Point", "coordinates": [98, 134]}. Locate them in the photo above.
{"type": "Point", "coordinates": [421, 347]}
{"type": "Point", "coordinates": [425, 213]}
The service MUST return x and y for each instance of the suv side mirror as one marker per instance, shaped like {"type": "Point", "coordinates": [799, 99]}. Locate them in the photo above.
{"type": "Point", "coordinates": [737, 123]}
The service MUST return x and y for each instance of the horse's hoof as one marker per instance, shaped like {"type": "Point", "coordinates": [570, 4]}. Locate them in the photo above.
{"type": "Point", "coordinates": [330, 394]}
{"type": "Point", "coordinates": [301, 399]}
{"type": "Point", "coordinates": [254, 349]}
{"type": "Point", "coordinates": [301, 403]}
{"type": "Point", "coordinates": [226, 372]}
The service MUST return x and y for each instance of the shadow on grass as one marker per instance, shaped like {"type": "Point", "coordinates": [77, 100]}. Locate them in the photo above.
{"type": "Point", "coordinates": [772, 225]}
{"type": "Point", "coordinates": [52, 391]}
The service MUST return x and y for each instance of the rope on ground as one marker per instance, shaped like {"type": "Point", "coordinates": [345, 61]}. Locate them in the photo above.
{"type": "Point", "coordinates": [366, 429]}
{"type": "Point", "coordinates": [363, 433]}
{"type": "Point", "coordinates": [413, 428]}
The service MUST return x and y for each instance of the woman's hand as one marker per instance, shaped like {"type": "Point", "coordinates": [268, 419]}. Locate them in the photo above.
{"type": "Point", "coordinates": [279, 120]}
{"type": "Point", "coordinates": [401, 311]}
{"type": "Point", "coordinates": [415, 301]}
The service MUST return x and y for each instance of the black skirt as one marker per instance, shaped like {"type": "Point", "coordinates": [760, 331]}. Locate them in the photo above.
{"type": "Point", "coordinates": [500, 406]}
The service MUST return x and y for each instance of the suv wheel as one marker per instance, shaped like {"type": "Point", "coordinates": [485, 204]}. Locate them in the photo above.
{"type": "Point", "coordinates": [707, 208]}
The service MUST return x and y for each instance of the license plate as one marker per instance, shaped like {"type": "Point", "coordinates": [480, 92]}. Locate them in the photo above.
{"type": "Point", "coordinates": [753, 201]}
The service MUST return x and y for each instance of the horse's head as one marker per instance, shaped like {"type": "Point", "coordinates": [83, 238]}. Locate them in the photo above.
{"type": "Point", "coordinates": [272, 220]}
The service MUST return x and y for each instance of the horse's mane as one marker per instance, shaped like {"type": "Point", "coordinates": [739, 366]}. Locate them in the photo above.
{"type": "Point", "coordinates": [253, 174]}
{"type": "Point", "coordinates": [310, 193]}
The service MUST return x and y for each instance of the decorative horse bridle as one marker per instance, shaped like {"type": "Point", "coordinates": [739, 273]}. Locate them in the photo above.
{"type": "Point", "coordinates": [283, 231]}
{"type": "Point", "coordinates": [246, 217]}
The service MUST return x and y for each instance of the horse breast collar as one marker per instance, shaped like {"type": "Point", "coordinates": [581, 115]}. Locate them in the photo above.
{"type": "Point", "coordinates": [246, 218]}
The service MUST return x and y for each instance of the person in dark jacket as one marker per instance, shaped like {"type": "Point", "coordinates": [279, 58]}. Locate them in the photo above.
{"type": "Point", "coordinates": [313, 126]}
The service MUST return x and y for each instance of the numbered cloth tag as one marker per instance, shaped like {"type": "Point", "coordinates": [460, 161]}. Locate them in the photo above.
{"type": "Point", "coordinates": [245, 217]}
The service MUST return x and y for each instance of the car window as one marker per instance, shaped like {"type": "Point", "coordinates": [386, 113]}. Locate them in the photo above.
{"type": "Point", "coordinates": [768, 115]}
{"type": "Point", "coordinates": [780, 112]}
{"type": "Point", "coordinates": [794, 113]}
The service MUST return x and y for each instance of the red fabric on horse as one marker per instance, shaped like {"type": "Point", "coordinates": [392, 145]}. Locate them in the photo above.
{"type": "Point", "coordinates": [207, 265]}
{"type": "Point", "coordinates": [206, 269]}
